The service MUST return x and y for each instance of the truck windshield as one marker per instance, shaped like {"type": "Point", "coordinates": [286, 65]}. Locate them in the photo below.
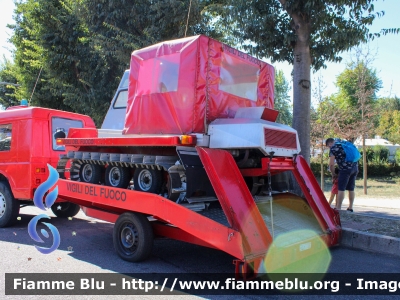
{"type": "Point", "coordinates": [59, 125]}
{"type": "Point", "coordinates": [121, 100]}
{"type": "Point", "coordinates": [122, 93]}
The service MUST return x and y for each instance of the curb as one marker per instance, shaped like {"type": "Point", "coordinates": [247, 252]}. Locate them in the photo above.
{"type": "Point", "coordinates": [370, 242]}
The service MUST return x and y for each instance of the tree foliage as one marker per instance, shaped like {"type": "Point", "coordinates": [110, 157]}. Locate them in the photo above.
{"type": "Point", "coordinates": [387, 121]}
{"type": "Point", "coordinates": [80, 48]}
{"type": "Point", "coordinates": [356, 100]}
{"type": "Point", "coordinates": [358, 85]}
{"type": "Point", "coordinates": [10, 94]}
{"type": "Point", "coordinates": [349, 82]}
{"type": "Point", "coordinates": [53, 53]}
{"type": "Point", "coordinates": [171, 17]}
{"type": "Point", "coordinates": [320, 124]}
{"type": "Point", "coordinates": [274, 26]}
{"type": "Point", "coordinates": [389, 126]}
{"type": "Point", "coordinates": [303, 32]}
{"type": "Point", "coordinates": [282, 101]}
{"type": "Point", "coordinates": [388, 104]}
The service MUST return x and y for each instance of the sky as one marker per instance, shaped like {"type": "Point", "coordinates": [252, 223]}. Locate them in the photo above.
{"type": "Point", "coordinates": [386, 62]}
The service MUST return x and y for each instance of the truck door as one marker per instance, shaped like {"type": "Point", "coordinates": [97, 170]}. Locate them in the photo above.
{"type": "Point", "coordinates": [14, 163]}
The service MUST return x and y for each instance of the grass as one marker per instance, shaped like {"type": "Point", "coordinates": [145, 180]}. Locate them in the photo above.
{"type": "Point", "coordinates": [378, 187]}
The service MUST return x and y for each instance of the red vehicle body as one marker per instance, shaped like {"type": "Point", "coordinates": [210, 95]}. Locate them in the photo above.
{"type": "Point", "coordinates": [200, 159]}
{"type": "Point", "coordinates": [27, 145]}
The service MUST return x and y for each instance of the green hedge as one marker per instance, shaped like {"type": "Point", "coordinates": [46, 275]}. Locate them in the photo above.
{"type": "Point", "coordinates": [376, 154]}
{"type": "Point", "coordinates": [397, 156]}
{"type": "Point", "coordinates": [370, 154]}
{"type": "Point", "coordinates": [377, 159]}
{"type": "Point", "coordinates": [374, 169]}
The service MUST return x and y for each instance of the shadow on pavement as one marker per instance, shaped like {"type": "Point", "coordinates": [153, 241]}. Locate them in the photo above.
{"type": "Point", "coordinates": [92, 241]}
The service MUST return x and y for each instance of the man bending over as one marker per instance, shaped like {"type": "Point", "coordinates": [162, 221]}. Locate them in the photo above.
{"type": "Point", "coordinates": [347, 172]}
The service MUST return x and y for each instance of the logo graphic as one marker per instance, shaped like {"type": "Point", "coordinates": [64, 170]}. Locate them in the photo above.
{"type": "Point", "coordinates": [49, 201]}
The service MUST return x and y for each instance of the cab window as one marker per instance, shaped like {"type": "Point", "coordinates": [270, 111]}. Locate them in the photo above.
{"type": "Point", "coordinates": [121, 100]}
{"type": "Point", "coordinates": [60, 128]}
{"type": "Point", "coordinates": [5, 137]}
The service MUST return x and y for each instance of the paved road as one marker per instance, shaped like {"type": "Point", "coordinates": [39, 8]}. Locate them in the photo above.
{"type": "Point", "coordinates": [388, 208]}
{"type": "Point", "coordinates": [92, 252]}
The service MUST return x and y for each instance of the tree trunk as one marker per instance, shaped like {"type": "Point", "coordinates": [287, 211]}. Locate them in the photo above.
{"type": "Point", "coordinates": [322, 169]}
{"type": "Point", "coordinates": [364, 164]}
{"type": "Point", "coordinates": [302, 84]}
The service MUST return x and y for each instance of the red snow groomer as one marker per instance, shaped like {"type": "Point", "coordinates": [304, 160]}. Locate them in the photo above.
{"type": "Point", "coordinates": [200, 159]}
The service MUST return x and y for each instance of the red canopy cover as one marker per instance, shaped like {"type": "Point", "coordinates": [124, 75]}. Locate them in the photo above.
{"type": "Point", "coordinates": [180, 86]}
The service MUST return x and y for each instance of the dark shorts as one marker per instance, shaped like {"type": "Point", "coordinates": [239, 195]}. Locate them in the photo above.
{"type": "Point", "coordinates": [347, 179]}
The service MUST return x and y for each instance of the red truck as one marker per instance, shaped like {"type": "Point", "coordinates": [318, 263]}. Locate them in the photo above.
{"type": "Point", "coordinates": [199, 158]}
{"type": "Point", "coordinates": [27, 145]}
{"type": "Point", "coordinates": [189, 150]}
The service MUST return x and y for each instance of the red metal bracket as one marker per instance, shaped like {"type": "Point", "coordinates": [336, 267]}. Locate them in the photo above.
{"type": "Point", "coordinates": [236, 200]}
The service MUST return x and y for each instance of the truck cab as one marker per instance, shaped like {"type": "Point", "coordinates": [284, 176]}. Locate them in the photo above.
{"type": "Point", "coordinates": [27, 144]}
{"type": "Point", "coordinates": [115, 117]}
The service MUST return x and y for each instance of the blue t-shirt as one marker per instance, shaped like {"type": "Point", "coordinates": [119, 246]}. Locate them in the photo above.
{"type": "Point", "coordinates": [340, 156]}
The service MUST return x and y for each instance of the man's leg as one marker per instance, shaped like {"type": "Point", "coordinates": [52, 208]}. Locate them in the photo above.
{"type": "Point", "coordinates": [339, 199]}
{"type": "Point", "coordinates": [351, 199]}
{"type": "Point", "coordinates": [351, 185]}
{"type": "Point", "coordinates": [343, 180]}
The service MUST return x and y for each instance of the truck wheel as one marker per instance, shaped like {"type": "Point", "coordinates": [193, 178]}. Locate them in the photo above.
{"type": "Point", "coordinates": [90, 173]}
{"type": "Point", "coordinates": [174, 181]}
{"type": "Point", "coordinates": [147, 180]}
{"type": "Point", "coordinates": [252, 184]}
{"type": "Point", "coordinates": [117, 176]}
{"type": "Point", "coordinates": [133, 237]}
{"type": "Point", "coordinates": [65, 209]}
{"type": "Point", "coordinates": [9, 207]}
{"type": "Point", "coordinates": [75, 169]}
